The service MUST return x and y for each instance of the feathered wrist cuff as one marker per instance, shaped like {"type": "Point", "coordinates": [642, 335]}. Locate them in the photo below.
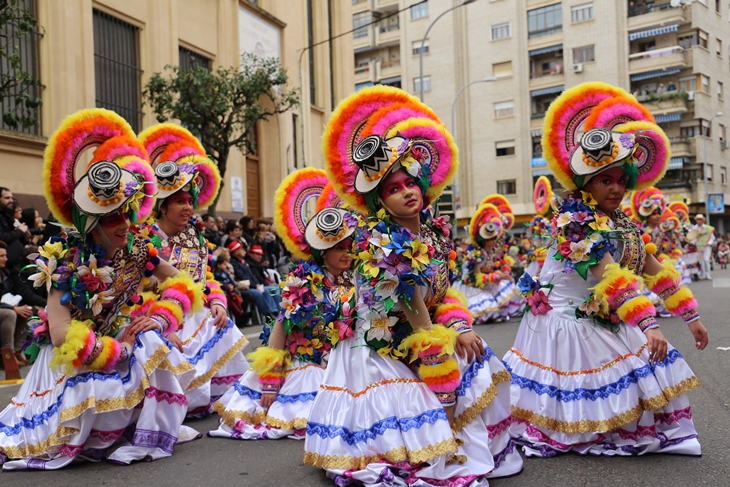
{"type": "Point", "coordinates": [179, 296]}
{"type": "Point", "coordinates": [453, 313]}
{"type": "Point", "coordinates": [678, 300]}
{"type": "Point", "coordinates": [82, 348]}
{"type": "Point", "coordinates": [270, 365]}
{"type": "Point", "coordinates": [438, 370]}
{"type": "Point", "coordinates": [618, 290]}
{"type": "Point", "coordinates": [214, 294]}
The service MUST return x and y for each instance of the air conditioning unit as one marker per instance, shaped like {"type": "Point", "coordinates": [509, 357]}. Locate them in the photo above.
{"type": "Point", "coordinates": [578, 68]}
{"type": "Point", "coordinates": [725, 144]}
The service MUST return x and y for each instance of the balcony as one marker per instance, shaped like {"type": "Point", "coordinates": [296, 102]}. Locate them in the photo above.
{"type": "Point", "coordinates": [667, 102]}
{"type": "Point", "coordinates": [363, 74]}
{"type": "Point", "coordinates": [388, 34]}
{"type": "Point", "coordinates": [658, 59]}
{"type": "Point", "coordinates": [389, 69]}
{"type": "Point", "coordinates": [657, 14]}
{"type": "Point", "coordinates": [683, 146]}
{"type": "Point", "coordinates": [387, 3]}
{"type": "Point", "coordinates": [543, 79]}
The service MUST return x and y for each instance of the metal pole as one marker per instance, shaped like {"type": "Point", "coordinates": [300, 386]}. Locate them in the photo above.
{"type": "Point", "coordinates": [423, 41]}
{"type": "Point", "coordinates": [704, 166]}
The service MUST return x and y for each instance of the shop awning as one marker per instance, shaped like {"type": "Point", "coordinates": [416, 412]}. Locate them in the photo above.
{"type": "Point", "coordinates": [545, 50]}
{"type": "Point", "coordinates": [654, 74]}
{"type": "Point", "coordinates": [677, 162]}
{"type": "Point", "coordinates": [653, 32]}
{"type": "Point", "coordinates": [547, 91]}
{"type": "Point", "coordinates": [669, 117]}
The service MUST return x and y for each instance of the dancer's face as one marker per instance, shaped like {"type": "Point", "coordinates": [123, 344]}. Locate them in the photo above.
{"type": "Point", "coordinates": [178, 209]}
{"type": "Point", "coordinates": [608, 188]}
{"type": "Point", "coordinates": [338, 259]}
{"type": "Point", "coordinates": [401, 195]}
{"type": "Point", "coordinates": [654, 219]}
{"type": "Point", "coordinates": [489, 244]}
{"type": "Point", "coordinates": [115, 227]}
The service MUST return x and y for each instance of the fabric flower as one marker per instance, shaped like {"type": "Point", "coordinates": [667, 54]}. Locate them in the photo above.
{"type": "Point", "coordinates": [45, 274]}
{"type": "Point", "coordinates": [591, 306]}
{"type": "Point", "coordinates": [97, 301]}
{"type": "Point", "coordinates": [539, 303]}
{"type": "Point", "coordinates": [54, 250]}
{"type": "Point", "coordinates": [418, 253]}
{"type": "Point", "coordinates": [380, 324]}
{"type": "Point", "coordinates": [385, 288]}
{"type": "Point", "coordinates": [442, 224]}
{"type": "Point", "coordinates": [381, 241]}
{"type": "Point", "coordinates": [564, 249]}
{"type": "Point", "coordinates": [600, 223]}
{"type": "Point", "coordinates": [563, 219]}
{"type": "Point", "coordinates": [581, 251]}
{"type": "Point", "coordinates": [582, 216]}
{"type": "Point", "coordinates": [527, 284]}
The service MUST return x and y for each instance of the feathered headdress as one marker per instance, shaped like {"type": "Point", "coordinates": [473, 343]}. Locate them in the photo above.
{"type": "Point", "coordinates": [485, 224]}
{"type": "Point", "coordinates": [118, 177]}
{"type": "Point", "coordinates": [646, 202]}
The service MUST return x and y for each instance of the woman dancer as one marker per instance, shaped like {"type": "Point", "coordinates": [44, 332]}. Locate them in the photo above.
{"type": "Point", "coordinates": [591, 371]}
{"type": "Point", "coordinates": [486, 281]}
{"type": "Point", "coordinates": [274, 399]}
{"type": "Point", "coordinates": [392, 393]}
{"type": "Point", "coordinates": [540, 228]}
{"type": "Point", "coordinates": [187, 180]}
{"type": "Point", "coordinates": [101, 385]}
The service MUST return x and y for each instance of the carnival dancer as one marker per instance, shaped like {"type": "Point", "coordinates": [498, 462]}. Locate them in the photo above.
{"type": "Point", "coordinates": [705, 239]}
{"type": "Point", "coordinates": [540, 227]}
{"type": "Point", "coordinates": [187, 180]}
{"type": "Point", "coordinates": [103, 385]}
{"type": "Point", "coordinates": [591, 371]}
{"type": "Point", "coordinates": [485, 281]}
{"type": "Point", "coordinates": [396, 405]}
{"type": "Point", "coordinates": [274, 398]}
{"type": "Point", "coordinates": [681, 210]}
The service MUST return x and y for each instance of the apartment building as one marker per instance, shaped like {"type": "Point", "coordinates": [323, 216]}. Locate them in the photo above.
{"type": "Point", "coordinates": [102, 52]}
{"type": "Point", "coordinates": [673, 55]}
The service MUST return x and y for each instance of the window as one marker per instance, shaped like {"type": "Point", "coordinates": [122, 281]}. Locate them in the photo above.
{"type": "Point", "coordinates": [502, 70]}
{"type": "Point", "coordinates": [719, 47]}
{"type": "Point", "coordinates": [705, 83]}
{"type": "Point", "coordinates": [27, 49]}
{"type": "Point", "coordinates": [688, 84]}
{"type": "Point", "coordinates": [359, 23]}
{"type": "Point", "coordinates": [689, 131]}
{"type": "Point", "coordinates": [723, 175]}
{"type": "Point", "coordinates": [720, 90]}
{"type": "Point", "coordinates": [507, 186]}
{"type": "Point", "coordinates": [505, 148]}
{"type": "Point", "coordinates": [426, 84]}
{"type": "Point", "coordinates": [705, 128]}
{"type": "Point", "coordinates": [190, 59]}
{"type": "Point", "coordinates": [702, 38]}
{"type": "Point", "coordinates": [545, 20]}
{"type": "Point", "coordinates": [116, 67]}
{"type": "Point", "coordinates": [708, 171]}
{"type": "Point", "coordinates": [717, 6]}
{"type": "Point", "coordinates": [647, 46]}
{"type": "Point", "coordinates": [504, 109]}
{"type": "Point", "coordinates": [501, 31]}
{"type": "Point", "coordinates": [419, 11]}
{"type": "Point", "coordinates": [584, 54]}
{"type": "Point", "coordinates": [417, 47]}
{"type": "Point", "coordinates": [686, 41]}
{"type": "Point", "coordinates": [581, 13]}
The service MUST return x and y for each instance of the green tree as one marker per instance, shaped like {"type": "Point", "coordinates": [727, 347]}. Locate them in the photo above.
{"type": "Point", "coordinates": [222, 107]}
{"type": "Point", "coordinates": [18, 86]}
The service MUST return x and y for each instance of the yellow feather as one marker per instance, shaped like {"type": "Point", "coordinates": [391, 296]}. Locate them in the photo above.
{"type": "Point", "coordinates": [264, 359]}
{"type": "Point", "coordinates": [439, 370]}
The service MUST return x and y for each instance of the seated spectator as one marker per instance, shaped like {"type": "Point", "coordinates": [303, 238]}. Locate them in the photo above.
{"type": "Point", "coordinates": [14, 236]}
{"type": "Point", "coordinates": [248, 282]}
{"type": "Point", "coordinates": [255, 259]}
{"type": "Point", "coordinates": [247, 225]}
{"type": "Point", "coordinates": [671, 86]}
{"type": "Point", "coordinates": [33, 220]}
{"type": "Point", "coordinates": [221, 273]}
{"type": "Point", "coordinates": [211, 230]}
{"type": "Point", "coordinates": [16, 307]}
{"type": "Point", "coordinates": [234, 231]}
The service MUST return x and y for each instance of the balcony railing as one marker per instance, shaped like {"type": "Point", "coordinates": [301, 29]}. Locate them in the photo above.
{"type": "Point", "coordinates": [390, 64]}
{"type": "Point", "coordinates": [646, 8]}
{"type": "Point", "coordinates": [654, 53]}
{"type": "Point", "coordinates": [362, 69]}
{"type": "Point", "coordinates": [538, 115]}
{"type": "Point", "coordinates": [388, 28]}
{"type": "Point", "coordinates": [557, 69]}
{"type": "Point", "coordinates": [544, 32]}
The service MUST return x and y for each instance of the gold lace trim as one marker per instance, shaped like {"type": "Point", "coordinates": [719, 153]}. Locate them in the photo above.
{"type": "Point", "coordinates": [40, 448]}
{"type": "Point", "coordinates": [222, 360]}
{"type": "Point", "coordinates": [400, 454]}
{"type": "Point", "coordinates": [106, 405]}
{"type": "Point", "coordinates": [482, 402]}
{"type": "Point", "coordinates": [295, 424]}
{"type": "Point", "coordinates": [604, 425]}
{"type": "Point", "coordinates": [176, 369]}
{"type": "Point", "coordinates": [156, 359]}
{"type": "Point", "coordinates": [230, 416]}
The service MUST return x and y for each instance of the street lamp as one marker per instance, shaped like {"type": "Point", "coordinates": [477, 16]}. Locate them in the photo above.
{"type": "Point", "coordinates": [453, 117]}
{"type": "Point", "coordinates": [423, 41]}
{"type": "Point", "coordinates": [704, 166]}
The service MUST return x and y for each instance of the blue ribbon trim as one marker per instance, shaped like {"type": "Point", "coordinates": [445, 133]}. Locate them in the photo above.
{"type": "Point", "coordinates": [210, 343]}
{"type": "Point", "coordinates": [473, 370]}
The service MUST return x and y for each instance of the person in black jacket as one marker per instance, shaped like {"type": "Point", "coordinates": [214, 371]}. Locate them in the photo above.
{"type": "Point", "coordinates": [211, 230]}
{"type": "Point", "coordinates": [248, 281]}
{"type": "Point", "coordinates": [15, 238]}
{"type": "Point", "coordinates": [13, 316]}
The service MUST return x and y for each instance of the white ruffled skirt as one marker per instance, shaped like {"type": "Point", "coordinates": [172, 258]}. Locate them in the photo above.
{"type": "Point", "coordinates": [577, 386]}
{"type": "Point", "coordinates": [216, 356]}
{"type": "Point", "coordinates": [243, 418]}
{"type": "Point", "coordinates": [496, 301]}
{"type": "Point", "coordinates": [133, 413]}
{"type": "Point", "coordinates": [374, 421]}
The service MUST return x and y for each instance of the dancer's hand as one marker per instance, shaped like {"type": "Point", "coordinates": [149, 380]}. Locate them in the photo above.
{"type": "Point", "coordinates": [450, 414]}
{"type": "Point", "coordinates": [267, 399]}
{"type": "Point", "coordinates": [143, 323]}
{"type": "Point", "coordinates": [657, 345]}
{"type": "Point", "coordinates": [220, 316]}
{"type": "Point", "coordinates": [700, 333]}
{"type": "Point", "coordinates": [470, 345]}
{"type": "Point", "coordinates": [175, 340]}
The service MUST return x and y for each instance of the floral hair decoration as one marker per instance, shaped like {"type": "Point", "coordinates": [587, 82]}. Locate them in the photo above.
{"type": "Point", "coordinates": [118, 177]}
{"type": "Point", "coordinates": [180, 164]}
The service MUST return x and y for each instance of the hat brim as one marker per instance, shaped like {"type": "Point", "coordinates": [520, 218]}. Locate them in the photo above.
{"type": "Point", "coordinates": [166, 193]}
{"type": "Point", "coordinates": [86, 205]}
{"type": "Point", "coordinates": [317, 242]}
{"type": "Point", "coordinates": [365, 186]}
{"type": "Point", "coordinates": [580, 168]}
{"type": "Point", "coordinates": [487, 235]}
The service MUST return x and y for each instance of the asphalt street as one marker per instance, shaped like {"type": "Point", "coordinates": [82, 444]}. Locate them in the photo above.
{"type": "Point", "coordinates": [223, 462]}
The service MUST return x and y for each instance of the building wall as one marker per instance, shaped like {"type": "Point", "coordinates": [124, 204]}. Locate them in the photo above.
{"type": "Point", "coordinates": [208, 27]}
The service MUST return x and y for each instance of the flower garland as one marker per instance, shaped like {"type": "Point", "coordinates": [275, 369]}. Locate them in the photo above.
{"type": "Point", "coordinates": [531, 290]}
{"type": "Point", "coordinates": [582, 234]}
{"type": "Point", "coordinates": [391, 263]}
{"type": "Point", "coordinates": [316, 315]}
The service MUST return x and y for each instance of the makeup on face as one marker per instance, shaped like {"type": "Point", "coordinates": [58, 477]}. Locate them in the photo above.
{"type": "Point", "coordinates": [608, 188]}
{"type": "Point", "coordinates": [401, 194]}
